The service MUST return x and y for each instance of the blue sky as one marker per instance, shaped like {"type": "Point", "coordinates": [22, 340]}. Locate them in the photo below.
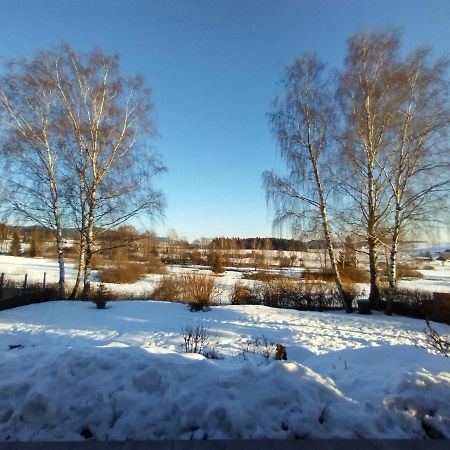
{"type": "Point", "coordinates": [214, 68]}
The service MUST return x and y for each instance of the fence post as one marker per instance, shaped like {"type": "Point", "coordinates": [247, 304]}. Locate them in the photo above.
{"type": "Point", "coordinates": [25, 284]}
{"type": "Point", "coordinates": [43, 283]}
{"type": "Point", "coordinates": [2, 280]}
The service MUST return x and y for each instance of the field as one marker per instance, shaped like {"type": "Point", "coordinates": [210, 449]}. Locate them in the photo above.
{"type": "Point", "coordinates": [69, 371]}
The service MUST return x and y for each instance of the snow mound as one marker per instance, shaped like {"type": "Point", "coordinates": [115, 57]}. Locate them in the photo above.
{"type": "Point", "coordinates": [71, 372]}
{"type": "Point", "coordinates": [130, 393]}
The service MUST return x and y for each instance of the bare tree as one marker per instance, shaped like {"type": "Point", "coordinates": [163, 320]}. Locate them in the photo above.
{"type": "Point", "coordinates": [304, 125]}
{"type": "Point", "coordinates": [109, 121]}
{"type": "Point", "coordinates": [33, 147]}
{"type": "Point", "coordinates": [417, 167]}
{"type": "Point", "coordinates": [368, 101]}
{"type": "Point", "coordinates": [74, 121]}
{"type": "Point", "coordinates": [396, 156]}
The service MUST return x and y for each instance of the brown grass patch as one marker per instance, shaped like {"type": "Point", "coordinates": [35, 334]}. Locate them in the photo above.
{"type": "Point", "coordinates": [126, 273]}
{"type": "Point", "coordinates": [194, 289]}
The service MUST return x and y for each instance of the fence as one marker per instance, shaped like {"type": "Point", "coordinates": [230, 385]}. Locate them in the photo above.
{"type": "Point", "coordinates": [14, 293]}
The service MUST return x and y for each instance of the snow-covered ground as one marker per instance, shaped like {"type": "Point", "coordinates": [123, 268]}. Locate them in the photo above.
{"type": "Point", "coordinates": [68, 369]}
{"type": "Point", "coordinates": [437, 280]}
{"type": "Point", "coordinates": [16, 267]}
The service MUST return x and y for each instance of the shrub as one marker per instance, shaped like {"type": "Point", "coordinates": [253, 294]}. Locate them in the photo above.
{"type": "Point", "coordinates": [97, 261]}
{"type": "Point", "coordinates": [293, 294]}
{"type": "Point", "coordinates": [198, 340]}
{"type": "Point", "coordinates": [263, 276]}
{"type": "Point", "coordinates": [216, 262]}
{"type": "Point", "coordinates": [289, 293]}
{"type": "Point", "coordinates": [194, 289]}
{"type": "Point", "coordinates": [244, 295]}
{"type": "Point", "coordinates": [15, 248]}
{"type": "Point", "coordinates": [198, 291]}
{"type": "Point", "coordinates": [403, 271]}
{"type": "Point", "coordinates": [406, 271]}
{"type": "Point", "coordinates": [155, 265]}
{"type": "Point", "coordinates": [326, 276]}
{"type": "Point", "coordinates": [169, 288]}
{"type": "Point", "coordinates": [14, 295]}
{"type": "Point", "coordinates": [101, 295]}
{"type": "Point", "coordinates": [353, 275]}
{"type": "Point", "coordinates": [128, 272]}
{"type": "Point", "coordinates": [409, 303]}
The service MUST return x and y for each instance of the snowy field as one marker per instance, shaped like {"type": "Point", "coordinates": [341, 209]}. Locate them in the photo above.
{"type": "Point", "coordinates": [68, 370]}
{"type": "Point", "coordinates": [15, 268]}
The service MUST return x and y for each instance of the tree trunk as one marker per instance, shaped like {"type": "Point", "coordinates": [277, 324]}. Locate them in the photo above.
{"type": "Point", "coordinates": [87, 274]}
{"type": "Point", "coordinates": [80, 269]}
{"type": "Point", "coordinates": [58, 229]}
{"type": "Point", "coordinates": [393, 264]}
{"type": "Point", "coordinates": [345, 297]}
{"type": "Point", "coordinates": [346, 300]}
{"type": "Point", "coordinates": [89, 246]}
{"type": "Point", "coordinates": [60, 253]}
{"type": "Point", "coordinates": [374, 295]}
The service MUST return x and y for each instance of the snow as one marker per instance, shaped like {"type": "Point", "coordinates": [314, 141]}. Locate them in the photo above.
{"type": "Point", "coordinates": [15, 268]}
{"type": "Point", "coordinates": [121, 373]}
{"type": "Point", "coordinates": [437, 280]}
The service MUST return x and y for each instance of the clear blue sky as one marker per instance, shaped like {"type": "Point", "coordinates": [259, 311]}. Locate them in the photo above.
{"type": "Point", "coordinates": [214, 67]}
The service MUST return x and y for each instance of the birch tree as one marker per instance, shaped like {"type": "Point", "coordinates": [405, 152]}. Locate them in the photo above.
{"type": "Point", "coordinates": [33, 148]}
{"type": "Point", "coordinates": [369, 103]}
{"type": "Point", "coordinates": [110, 125]}
{"type": "Point", "coordinates": [79, 148]}
{"type": "Point", "coordinates": [418, 164]}
{"type": "Point", "coordinates": [303, 122]}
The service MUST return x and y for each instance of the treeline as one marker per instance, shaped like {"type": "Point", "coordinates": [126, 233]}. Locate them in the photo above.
{"type": "Point", "coordinates": [269, 243]}
{"type": "Point", "coordinates": [26, 241]}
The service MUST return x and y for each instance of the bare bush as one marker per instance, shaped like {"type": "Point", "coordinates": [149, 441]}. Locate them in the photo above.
{"type": "Point", "coordinates": [194, 289]}
{"type": "Point", "coordinates": [244, 295]}
{"type": "Point", "coordinates": [199, 340]}
{"type": "Point", "coordinates": [291, 293]}
{"type": "Point", "coordinates": [155, 265]}
{"type": "Point", "coordinates": [263, 276]}
{"type": "Point", "coordinates": [301, 295]}
{"type": "Point", "coordinates": [169, 289]}
{"type": "Point", "coordinates": [440, 343]}
{"type": "Point", "coordinates": [128, 272]}
{"type": "Point", "coordinates": [404, 270]}
{"type": "Point", "coordinates": [198, 291]}
{"type": "Point", "coordinates": [354, 275]}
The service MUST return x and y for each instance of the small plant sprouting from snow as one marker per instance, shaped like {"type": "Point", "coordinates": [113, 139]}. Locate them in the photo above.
{"type": "Point", "coordinates": [261, 346]}
{"type": "Point", "coordinates": [199, 340]}
{"type": "Point", "coordinates": [438, 342]}
{"type": "Point", "coordinates": [432, 341]}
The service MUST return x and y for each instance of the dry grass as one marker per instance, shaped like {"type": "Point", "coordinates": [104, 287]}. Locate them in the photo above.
{"type": "Point", "coordinates": [263, 276]}
{"type": "Point", "coordinates": [154, 265]}
{"type": "Point", "coordinates": [194, 289]}
{"type": "Point", "coordinates": [126, 273]}
{"type": "Point", "coordinates": [350, 275]}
